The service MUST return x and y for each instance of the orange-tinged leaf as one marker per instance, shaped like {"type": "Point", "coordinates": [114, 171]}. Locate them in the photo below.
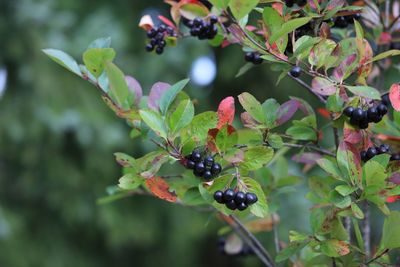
{"type": "Point", "coordinates": [264, 224]}
{"type": "Point", "coordinates": [324, 113]}
{"type": "Point", "coordinates": [394, 95]}
{"type": "Point", "coordinates": [365, 68]}
{"type": "Point", "coordinates": [160, 188]}
{"type": "Point", "coordinates": [167, 21]}
{"type": "Point", "coordinates": [226, 111]}
{"type": "Point", "coordinates": [146, 22]}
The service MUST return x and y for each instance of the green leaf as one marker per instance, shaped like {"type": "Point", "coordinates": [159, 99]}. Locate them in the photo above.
{"type": "Point", "coordinates": [288, 27]}
{"type": "Point", "coordinates": [358, 234]}
{"type": "Point", "coordinates": [252, 106]}
{"type": "Point", "coordinates": [64, 60]}
{"type": "Point", "coordinates": [201, 123]}
{"type": "Point", "coordinates": [389, 53]}
{"type": "Point", "coordinates": [359, 30]}
{"type": "Point", "coordinates": [334, 248]}
{"type": "Point", "coordinates": [270, 109]}
{"type": "Point", "coordinates": [241, 8]}
{"type": "Point", "coordinates": [275, 141]}
{"type": "Point", "coordinates": [330, 167]}
{"type": "Point", "coordinates": [260, 208]}
{"type": "Point", "coordinates": [104, 42]}
{"type": "Point", "coordinates": [130, 181]}
{"type": "Point", "coordinates": [154, 121]}
{"type": "Point", "coordinates": [345, 190]}
{"type": "Point", "coordinates": [182, 116]}
{"type": "Point", "coordinates": [191, 11]}
{"type": "Point", "coordinates": [349, 162]}
{"type": "Point", "coordinates": [357, 212]}
{"type": "Point", "coordinates": [225, 140]}
{"type": "Point", "coordinates": [391, 231]}
{"type": "Point", "coordinates": [374, 173]}
{"type": "Point", "coordinates": [169, 95]}
{"type": "Point", "coordinates": [290, 250]}
{"type": "Point", "coordinates": [95, 59]}
{"type": "Point", "coordinates": [303, 45]}
{"type": "Point", "coordinates": [222, 4]}
{"type": "Point", "coordinates": [302, 133]}
{"type": "Point", "coordinates": [272, 19]}
{"type": "Point", "coordinates": [256, 157]}
{"type": "Point", "coordinates": [125, 160]}
{"type": "Point", "coordinates": [364, 91]}
{"type": "Point", "coordinates": [339, 200]}
{"type": "Point", "coordinates": [118, 87]}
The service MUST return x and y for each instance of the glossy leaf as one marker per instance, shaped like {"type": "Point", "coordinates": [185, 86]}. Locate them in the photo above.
{"type": "Point", "coordinates": [260, 208]}
{"type": "Point", "coordinates": [241, 8]}
{"type": "Point", "coordinates": [96, 58]}
{"type": "Point", "coordinates": [364, 91]}
{"type": "Point", "coordinates": [118, 87]}
{"type": "Point", "coordinates": [182, 116]}
{"type": "Point", "coordinates": [252, 106]}
{"type": "Point", "coordinates": [154, 121]}
{"type": "Point", "coordinates": [226, 111]}
{"type": "Point", "coordinates": [64, 60]}
{"type": "Point", "coordinates": [169, 95]}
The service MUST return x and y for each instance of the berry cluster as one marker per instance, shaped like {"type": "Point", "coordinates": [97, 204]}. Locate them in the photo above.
{"type": "Point", "coordinates": [245, 251]}
{"type": "Point", "coordinates": [203, 29]}
{"type": "Point", "coordinates": [205, 168]}
{"type": "Point", "coordinates": [378, 150]}
{"type": "Point", "coordinates": [362, 118]}
{"type": "Point", "coordinates": [253, 57]}
{"type": "Point", "coordinates": [344, 21]}
{"type": "Point", "coordinates": [300, 3]}
{"type": "Point", "coordinates": [157, 38]}
{"type": "Point", "coordinates": [233, 201]}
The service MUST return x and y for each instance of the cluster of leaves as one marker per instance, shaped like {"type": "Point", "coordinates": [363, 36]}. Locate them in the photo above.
{"type": "Point", "coordinates": [341, 71]}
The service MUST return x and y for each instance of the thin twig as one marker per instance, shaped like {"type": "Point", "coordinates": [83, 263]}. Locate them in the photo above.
{"type": "Point", "coordinates": [333, 262]}
{"type": "Point", "coordinates": [276, 236]}
{"type": "Point", "coordinates": [311, 147]}
{"type": "Point", "coordinates": [377, 257]}
{"type": "Point", "coordinates": [251, 240]}
{"type": "Point", "coordinates": [305, 85]}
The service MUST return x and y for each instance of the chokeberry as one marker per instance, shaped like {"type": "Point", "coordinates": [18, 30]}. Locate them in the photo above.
{"type": "Point", "coordinates": [199, 169]}
{"type": "Point", "coordinates": [216, 168]}
{"type": "Point", "coordinates": [254, 58]}
{"type": "Point", "coordinates": [373, 114]}
{"type": "Point", "coordinates": [371, 152]}
{"type": "Point", "coordinates": [382, 149]}
{"type": "Point", "coordinates": [386, 100]}
{"type": "Point", "coordinates": [395, 157]}
{"type": "Point", "coordinates": [348, 111]}
{"type": "Point", "coordinates": [159, 50]}
{"type": "Point", "coordinates": [257, 59]}
{"type": "Point", "coordinates": [219, 196]}
{"type": "Point", "coordinates": [251, 198]}
{"type": "Point", "coordinates": [149, 47]}
{"type": "Point", "coordinates": [151, 33]}
{"type": "Point", "coordinates": [363, 155]}
{"type": "Point", "coordinates": [341, 22]}
{"type": "Point", "coordinates": [241, 206]}
{"type": "Point", "coordinates": [240, 197]}
{"type": "Point", "coordinates": [289, 3]}
{"type": "Point", "coordinates": [229, 195]}
{"type": "Point", "coordinates": [208, 161]}
{"type": "Point", "coordinates": [190, 164]}
{"type": "Point", "coordinates": [213, 19]}
{"type": "Point", "coordinates": [207, 175]}
{"type": "Point", "coordinates": [357, 115]}
{"type": "Point", "coordinates": [195, 156]}
{"type": "Point", "coordinates": [295, 71]}
{"type": "Point", "coordinates": [382, 109]}
{"type": "Point", "coordinates": [231, 205]}
{"type": "Point", "coordinates": [249, 57]}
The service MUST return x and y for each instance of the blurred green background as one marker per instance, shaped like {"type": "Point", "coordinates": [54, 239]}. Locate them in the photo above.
{"type": "Point", "coordinates": [57, 140]}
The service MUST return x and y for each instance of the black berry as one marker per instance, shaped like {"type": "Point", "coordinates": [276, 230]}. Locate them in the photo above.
{"type": "Point", "coordinates": [357, 115]}
{"type": "Point", "coordinates": [251, 198]}
{"type": "Point", "coordinates": [190, 164]}
{"type": "Point", "coordinates": [373, 114]}
{"type": "Point", "coordinates": [289, 3]}
{"type": "Point", "coordinates": [199, 169]}
{"type": "Point", "coordinates": [216, 168]}
{"type": "Point", "coordinates": [208, 161]}
{"type": "Point", "coordinates": [382, 109]}
{"type": "Point", "coordinates": [295, 71]}
{"type": "Point", "coordinates": [395, 157]}
{"type": "Point", "coordinates": [229, 195]}
{"type": "Point", "coordinates": [240, 197]}
{"type": "Point", "coordinates": [341, 22]}
{"type": "Point", "coordinates": [213, 19]}
{"type": "Point", "coordinates": [348, 111]}
{"type": "Point", "coordinates": [386, 100]}
{"type": "Point", "coordinates": [231, 205]}
{"type": "Point", "coordinates": [219, 196]}
{"type": "Point", "coordinates": [382, 149]}
{"type": "Point", "coordinates": [371, 152]}
{"type": "Point", "coordinates": [301, 3]}
{"type": "Point", "coordinates": [241, 206]}
{"type": "Point", "coordinates": [363, 155]}
{"type": "Point", "coordinates": [207, 175]}
{"type": "Point", "coordinates": [254, 58]}
{"type": "Point", "coordinates": [195, 156]}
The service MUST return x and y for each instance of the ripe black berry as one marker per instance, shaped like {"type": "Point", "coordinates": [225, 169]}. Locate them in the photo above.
{"type": "Point", "coordinates": [213, 19]}
{"type": "Point", "coordinates": [289, 3]}
{"type": "Point", "coordinates": [199, 169]}
{"type": "Point", "coordinates": [240, 197]}
{"type": "Point", "coordinates": [257, 59]}
{"type": "Point", "coordinates": [219, 196]}
{"type": "Point", "coordinates": [229, 195]}
{"type": "Point", "coordinates": [341, 22]}
{"type": "Point", "coordinates": [231, 205]}
{"type": "Point", "coordinates": [348, 111]}
{"type": "Point", "coordinates": [216, 168]}
{"type": "Point", "coordinates": [357, 115]}
{"type": "Point", "coordinates": [382, 109]}
{"type": "Point", "coordinates": [159, 50]}
{"type": "Point", "coordinates": [371, 152]}
{"type": "Point", "coordinates": [149, 47]}
{"type": "Point", "coordinates": [202, 29]}
{"type": "Point", "coordinates": [207, 175]}
{"type": "Point", "coordinates": [301, 3]}
{"type": "Point", "coordinates": [208, 161]}
{"type": "Point", "coordinates": [363, 155]}
{"type": "Point", "coordinates": [195, 156]}
{"type": "Point", "coordinates": [395, 157]}
{"type": "Point", "coordinates": [251, 198]}
{"type": "Point", "coordinates": [295, 71]}
{"type": "Point", "coordinates": [373, 114]}
{"type": "Point", "coordinates": [254, 58]}
{"type": "Point", "coordinates": [386, 100]}
{"type": "Point", "coordinates": [157, 36]}
{"type": "Point", "coordinates": [382, 149]}
{"type": "Point", "coordinates": [190, 164]}
{"type": "Point", "coordinates": [242, 206]}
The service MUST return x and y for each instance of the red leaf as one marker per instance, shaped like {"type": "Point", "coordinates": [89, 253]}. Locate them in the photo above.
{"type": "Point", "coordinates": [167, 21]}
{"type": "Point", "coordinates": [392, 199]}
{"type": "Point", "coordinates": [323, 86]}
{"type": "Point", "coordinates": [324, 113]}
{"type": "Point", "coordinates": [278, 7]}
{"type": "Point", "coordinates": [394, 95]}
{"type": "Point", "coordinates": [226, 111]}
{"type": "Point", "coordinates": [160, 188]}
{"type": "Point", "coordinates": [385, 38]}
{"type": "Point", "coordinates": [352, 136]}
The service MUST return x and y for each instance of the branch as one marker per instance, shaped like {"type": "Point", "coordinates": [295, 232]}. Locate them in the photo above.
{"type": "Point", "coordinates": [249, 239]}
{"type": "Point", "coordinates": [366, 229]}
{"type": "Point", "coordinates": [377, 257]}
{"type": "Point", "coordinates": [311, 147]}
{"type": "Point", "coordinates": [305, 85]}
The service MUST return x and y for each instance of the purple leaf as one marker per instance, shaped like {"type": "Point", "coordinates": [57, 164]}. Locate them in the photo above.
{"type": "Point", "coordinates": [307, 158]}
{"type": "Point", "coordinates": [395, 178]}
{"type": "Point", "coordinates": [155, 94]}
{"type": "Point", "coordinates": [286, 111]}
{"type": "Point", "coordinates": [345, 68]}
{"type": "Point", "coordinates": [134, 87]}
{"type": "Point", "coordinates": [323, 86]}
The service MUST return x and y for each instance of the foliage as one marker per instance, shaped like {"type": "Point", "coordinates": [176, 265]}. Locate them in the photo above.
{"type": "Point", "coordinates": [341, 72]}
